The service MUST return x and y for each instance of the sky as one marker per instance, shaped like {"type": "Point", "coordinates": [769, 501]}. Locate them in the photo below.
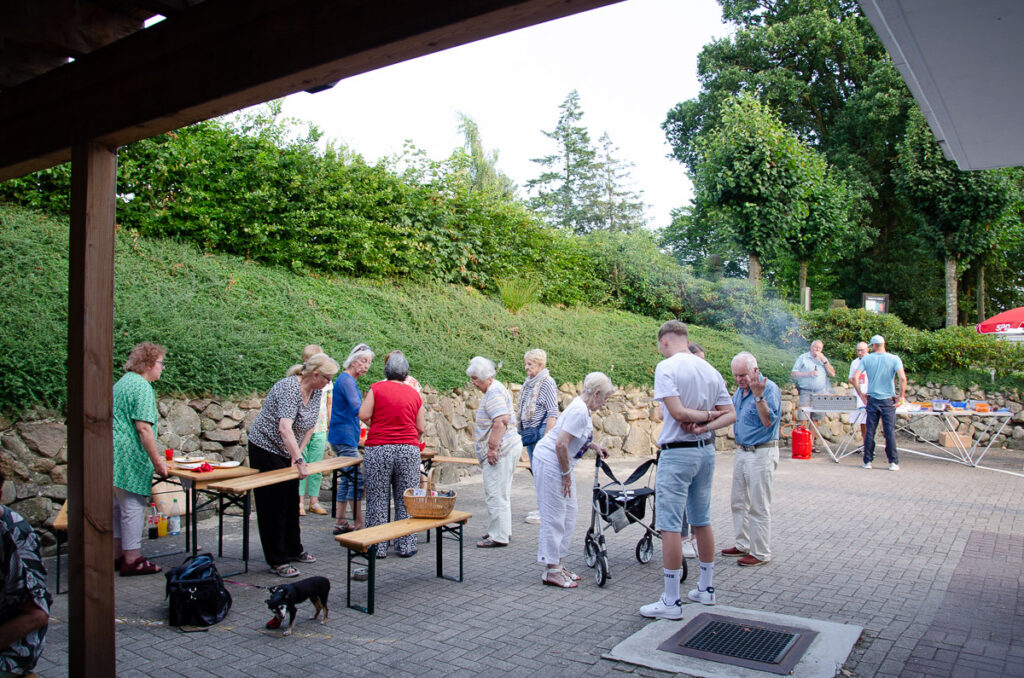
{"type": "Point", "coordinates": [630, 62]}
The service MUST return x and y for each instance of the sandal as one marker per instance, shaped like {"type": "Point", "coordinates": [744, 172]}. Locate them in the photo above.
{"type": "Point", "coordinates": [489, 544]}
{"type": "Point", "coordinates": [558, 578]}
{"type": "Point", "coordinates": [570, 574]}
{"type": "Point", "coordinates": [343, 528]}
{"type": "Point", "coordinates": [285, 571]}
{"type": "Point", "coordinates": [302, 508]}
{"type": "Point", "coordinates": [140, 566]}
{"type": "Point", "coordinates": [317, 509]}
{"type": "Point", "coordinates": [303, 557]}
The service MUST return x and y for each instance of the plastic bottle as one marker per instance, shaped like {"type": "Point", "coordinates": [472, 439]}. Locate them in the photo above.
{"type": "Point", "coordinates": [153, 520]}
{"type": "Point", "coordinates": [174, 524]}
{"type": "Point", "coordinates": [161, 526]}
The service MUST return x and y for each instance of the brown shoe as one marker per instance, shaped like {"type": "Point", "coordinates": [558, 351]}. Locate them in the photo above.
{"type": "Point", "coordinates": [750, 561]}
{"type": "Point", "coordinates": [733, 552]}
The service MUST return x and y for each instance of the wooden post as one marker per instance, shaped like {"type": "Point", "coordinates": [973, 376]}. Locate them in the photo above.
{"type": "Point", "coordinates": [90, 405]}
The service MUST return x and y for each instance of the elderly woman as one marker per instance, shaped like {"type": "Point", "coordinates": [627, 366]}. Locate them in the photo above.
{"type": "Point", "coordinates": [309, 487]}
{"type": "Point", "coordinates": [391, 453]}
{"type": "Point", "coordinates": [135, 455]}
{"type": "Point", "coordinates": [554, 459]}
{"type": "Point", "coordinates": [498, 447]}
{"type": "Point", "coordinates": [538, 406]}
{"type": "Point", "coordinates": [282, 428]}
{"type": "Point", "coordinates": [343, 435]}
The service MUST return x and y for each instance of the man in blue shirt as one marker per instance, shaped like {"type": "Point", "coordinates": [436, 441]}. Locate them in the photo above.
{"type": "Point", "coordinates": [881, 368]}
{"type": "Point", "coordinates": [811, 372]}
{"type": "Point", "coordinates": [758, 403]}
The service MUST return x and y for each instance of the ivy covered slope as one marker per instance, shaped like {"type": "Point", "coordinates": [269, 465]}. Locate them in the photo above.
{"type": "Point", "coordinates": [233, 327]}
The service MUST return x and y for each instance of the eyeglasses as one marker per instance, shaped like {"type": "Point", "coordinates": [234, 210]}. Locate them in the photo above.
{"type": "Point", "coordinates": [160, 363]}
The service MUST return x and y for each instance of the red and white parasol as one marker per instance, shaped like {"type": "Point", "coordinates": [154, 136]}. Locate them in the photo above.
{"type": "Point", "coordinates": [1007, 322]}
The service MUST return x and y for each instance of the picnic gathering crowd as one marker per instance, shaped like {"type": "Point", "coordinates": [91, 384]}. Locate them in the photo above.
{"type": "Point", "coordinates": [319, 403]}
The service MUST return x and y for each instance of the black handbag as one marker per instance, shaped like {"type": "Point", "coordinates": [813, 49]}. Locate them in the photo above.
{"type": "Point", "coordinates": [531, 436]}
{"type": "Point", "coordinates": [196, 593]}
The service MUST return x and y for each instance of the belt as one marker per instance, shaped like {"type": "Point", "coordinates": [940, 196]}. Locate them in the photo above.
{"type": "Point", "coordinates": [753, 448]}
{"type": "Point", "coordinates": [686, 443]}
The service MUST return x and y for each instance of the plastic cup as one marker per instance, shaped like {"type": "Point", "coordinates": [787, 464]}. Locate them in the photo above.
{"type": "Point", "coordinates": [169, 454]}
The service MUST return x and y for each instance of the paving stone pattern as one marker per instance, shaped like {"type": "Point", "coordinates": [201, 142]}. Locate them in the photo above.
{"type": "Point", "coordinates": [927, 560]}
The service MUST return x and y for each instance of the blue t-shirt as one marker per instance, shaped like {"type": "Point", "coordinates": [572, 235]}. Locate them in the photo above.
{"type": "Point", "coordinates": [748, 429]}
{"type": "Point", "coordinates": [881, 368]}
{"type": "Point", "coordinates": [344, 428]}
{"type": "Point", "coordinates": [815, 384]}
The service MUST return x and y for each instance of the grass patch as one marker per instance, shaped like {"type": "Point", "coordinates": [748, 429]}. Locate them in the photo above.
{"type": "Point", "coordinates": [518, 293]}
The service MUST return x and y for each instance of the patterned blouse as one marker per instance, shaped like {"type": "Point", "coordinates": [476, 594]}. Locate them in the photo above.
{"type": "Point", "coordinates": [284, 402]}
{"type": "Point", "coordinates": [133, 401]}
{"type": "Point", "coordinates": [22, 575]}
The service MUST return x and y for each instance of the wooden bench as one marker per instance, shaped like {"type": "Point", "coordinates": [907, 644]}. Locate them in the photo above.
{"type": "Point", "coordinates": [362, 548]}
{"type": "Point", "coordinates": [60, 529]}
{"type": "Point", "coordinates": [236, 492]}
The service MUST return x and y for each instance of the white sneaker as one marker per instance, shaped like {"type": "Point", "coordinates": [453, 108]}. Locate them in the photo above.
{"type": "Point", "coordinates": [894, 467]}
{"type": "Point", "coordinates": [689, 549]}
{"type": "Point", "coordinates": [533, 517]}
{"type": "Point", "coordinates": [705, 597]}
{"type": "Point", "coordinates": [866, 464]}
{"type": "Point", "coordinates": [661, 610]}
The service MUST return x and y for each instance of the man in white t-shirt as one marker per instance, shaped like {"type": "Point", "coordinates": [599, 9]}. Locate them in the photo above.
{"type": "Point", "coordinates": [694, 403]}
{"type": "Point", "coordinates": [860, 416]}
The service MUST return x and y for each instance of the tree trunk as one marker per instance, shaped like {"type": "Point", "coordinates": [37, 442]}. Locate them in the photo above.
{"type": "Point", "coordinates": [951, 305]}
{"type": "Point", "coordinates": [981, 293]}
{"type": "Point", "coordinates": [802, 280]}
{"type": "Point", "coordinates": [754, 269]}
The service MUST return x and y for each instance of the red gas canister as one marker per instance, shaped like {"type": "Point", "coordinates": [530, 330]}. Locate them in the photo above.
{"type": "Point", "coordinates": [802, 443]}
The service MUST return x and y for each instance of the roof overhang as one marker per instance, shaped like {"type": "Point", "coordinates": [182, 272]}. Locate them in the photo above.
{"type": "Point", "coordinates": [963, 64]}
{"type": "Point", "coordinates": [216, 57]}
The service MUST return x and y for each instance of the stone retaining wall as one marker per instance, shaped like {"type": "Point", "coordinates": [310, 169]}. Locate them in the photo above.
{"type": "Point", "coordinates": [33, 456]}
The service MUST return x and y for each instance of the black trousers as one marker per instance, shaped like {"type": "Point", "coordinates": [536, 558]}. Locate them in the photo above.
{"type": "Point", "coordinates": [277, 510]}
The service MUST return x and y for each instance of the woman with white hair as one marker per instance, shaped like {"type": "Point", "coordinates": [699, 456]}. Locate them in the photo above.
{"type": "Point", "coordinates": [282, 428]}
{"type": "Point", "coordinates": [498, 447]}
{"type": "Point", "coordinates": [556, 456]}
{"type": "Point", "coordinates": [343, 435]}
{"type": "Point", "coordinates": [391, 455]}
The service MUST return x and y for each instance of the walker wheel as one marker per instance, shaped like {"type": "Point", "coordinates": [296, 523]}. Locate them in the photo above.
{"type": "Point", "coordinates": [645, 549]}
{"type": "Point", "coordinates": [601, 575]}
{"type": "Point", "coordinates": [590, 551]}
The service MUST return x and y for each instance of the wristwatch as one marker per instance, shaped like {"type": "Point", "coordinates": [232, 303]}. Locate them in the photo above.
{"type": "Point", "coordinates": [758, 399]}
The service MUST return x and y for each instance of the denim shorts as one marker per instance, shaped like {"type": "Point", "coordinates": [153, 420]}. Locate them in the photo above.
{"type": "Point", "coordinates": [348, 490]}
{"type": "Point", "coordinates": [684, 482]}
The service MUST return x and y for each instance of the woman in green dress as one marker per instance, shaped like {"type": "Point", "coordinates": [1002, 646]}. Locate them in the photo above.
{"type": "Point", "coordinates": [136, 456]}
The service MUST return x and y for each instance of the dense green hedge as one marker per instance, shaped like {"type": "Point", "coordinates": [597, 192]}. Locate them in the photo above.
{"type": "Point", "coordinates": [232, 326]}
{"type": "Point", "coordinates": [921, 351]}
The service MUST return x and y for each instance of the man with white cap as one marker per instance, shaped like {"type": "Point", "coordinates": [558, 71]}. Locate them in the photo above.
{"type": "Point", "coordinates": [881, 367]}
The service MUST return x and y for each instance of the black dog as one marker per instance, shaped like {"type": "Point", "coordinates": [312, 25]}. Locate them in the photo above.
{"type": "Point", "coordinates": [286, 596]}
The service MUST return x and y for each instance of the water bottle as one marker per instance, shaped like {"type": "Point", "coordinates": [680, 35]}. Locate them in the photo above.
{"type": "Point", "coordinates": [174, 526]}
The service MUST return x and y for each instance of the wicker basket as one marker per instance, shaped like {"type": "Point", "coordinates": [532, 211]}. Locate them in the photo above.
{"type": "Point", "coordinates": [428, 507]}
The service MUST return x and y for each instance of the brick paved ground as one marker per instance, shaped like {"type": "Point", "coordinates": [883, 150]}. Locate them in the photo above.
{"type": "Point", "coordinates": [928, 560]}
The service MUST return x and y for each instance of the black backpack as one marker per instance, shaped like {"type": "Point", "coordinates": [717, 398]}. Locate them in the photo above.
{"type": "Point", "coordinates": [196, 593]}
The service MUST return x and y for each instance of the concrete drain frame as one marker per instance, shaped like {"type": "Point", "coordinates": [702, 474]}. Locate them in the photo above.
{"type": "Point", "coordinates": [741, 642]}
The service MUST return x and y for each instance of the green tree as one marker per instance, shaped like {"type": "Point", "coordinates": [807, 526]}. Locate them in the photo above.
{"type": "Point", "coordinates": [484, 172]}
{"type": "Point", "coordinates": [704, 243]}
{"type": "Point", "coordinates": [621, 208]}
{"type": "Point", "coordinates": [775, 191]}
{"type": "Point", "coordinates": [957, 211]}
{"type": "Point", "coordinates": [567, 193]}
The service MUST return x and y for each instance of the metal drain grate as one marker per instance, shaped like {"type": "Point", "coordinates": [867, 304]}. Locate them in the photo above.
{"type": "Point", "coordinates": [741, 642]}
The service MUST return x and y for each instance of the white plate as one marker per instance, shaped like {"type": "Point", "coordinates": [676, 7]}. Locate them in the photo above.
{"type": "Point", "coordinates": [225, 464]}
{"type": "Point", "coordinates": [190, 466]}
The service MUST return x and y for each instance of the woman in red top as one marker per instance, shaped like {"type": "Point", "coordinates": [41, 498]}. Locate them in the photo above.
{"type": "Point", "coordinates": [391, 455]}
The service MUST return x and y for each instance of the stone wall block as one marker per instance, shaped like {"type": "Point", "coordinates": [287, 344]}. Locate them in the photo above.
{"type": "Point", "coordinates": [638, 443]}
{"type": "Point", "coordinates": [927, 428]}
{"type": "Point", "coordinates": [612, 443]}
{"type": "Point", "coordinates": [226, 423]}
{"type": "Point", "coordinates": [1018, 432]}
{"type": "Point", "coordinates": [615, 424]}
{"type": "Point", "coordinates": [163, 406]}
{"type": "Point", "coordinates": [238, 453]}
{"type": "Point", "coordinates": [170, 440]}
{"type": "Point", "coordinates": [46, 438]}
{"type": "Point", "coordinates": [219, 436]}
{"type": "Point", "coordinates": [950, 392]}
{"type": "Point", "coordinates": [41, 464]}
{"type": "Point", "coordinates": [183, 420]}
{"type": "Point", "coordinates": [207, 424]}
{"type": "Point", "coordinates": [26, 490]}
{"type": "Point", "coordinates": [635, 414]}
{"type": "Point", "coordinates": [59, 474]}
{"type": "Point", "coordinates": [249, 419]}
{"type": "Point", "coordinates": [213, 411]}
{"type": "Point", "coordinates": [199, 404]}
{"type": "Point", "coordinates": [7, 493]}
{"type": "Point", "coordinates": [210, 446]}
{"type": "Point", "coordinates": [190, 444]}
{"type": "Point", "coordinates": [57, 493]}
{"type": "Point", "coordinates": [36, 509]}
{"type": "Point", "coordinates": [12, 467]}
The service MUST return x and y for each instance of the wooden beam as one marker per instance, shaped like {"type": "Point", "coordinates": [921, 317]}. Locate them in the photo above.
{"type": "Point", "coordinates": [224, 55]}
{"type": "Point", "coordinates": [90, 407]}
{"type": "Point", "coordinates": [19, 64]}
{"type": "Point", "coordinates": [71, 27]}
